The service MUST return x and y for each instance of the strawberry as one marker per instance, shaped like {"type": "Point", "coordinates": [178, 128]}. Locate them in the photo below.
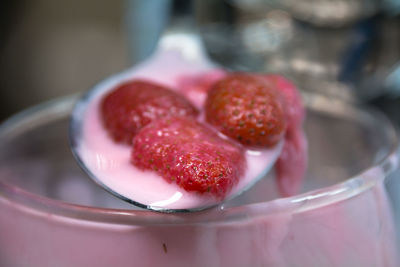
{"type": "Point", "coordinates": [244, 107]}
{"type": "Point", "coordinates": [189, 154]}
{"type": "Point", "coordinates": [134, 104]}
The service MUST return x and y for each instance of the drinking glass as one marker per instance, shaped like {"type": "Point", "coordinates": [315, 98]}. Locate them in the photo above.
{"type": "Point", "coordinates": [51, 214]}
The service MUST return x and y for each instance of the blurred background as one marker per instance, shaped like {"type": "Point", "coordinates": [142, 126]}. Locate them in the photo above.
{"type": "Point", "coordinates": [343, 49]}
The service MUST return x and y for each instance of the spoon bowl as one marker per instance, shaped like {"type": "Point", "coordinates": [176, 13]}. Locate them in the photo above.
{"type": "Point", "coordinates": [101, 158]}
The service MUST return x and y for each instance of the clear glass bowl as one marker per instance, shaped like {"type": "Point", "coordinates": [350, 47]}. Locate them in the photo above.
{"type": "Point", "coordinates": [51, 214]}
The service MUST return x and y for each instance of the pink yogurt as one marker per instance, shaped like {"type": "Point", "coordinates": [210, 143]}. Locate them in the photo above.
{"type": "Point", "coordinates": [110, 163]}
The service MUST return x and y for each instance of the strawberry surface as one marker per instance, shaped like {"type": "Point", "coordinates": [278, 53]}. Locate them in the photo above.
{"type": "Point", "coordinates": [189, 154]}
{"type": "Point", "coordinates": [134, 104]}
{"type": "Point", "coordinates": [247, 109]}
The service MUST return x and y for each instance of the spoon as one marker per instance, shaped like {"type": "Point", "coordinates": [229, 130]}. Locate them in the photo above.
{"type": "Point", "coordinates": [107, 163]}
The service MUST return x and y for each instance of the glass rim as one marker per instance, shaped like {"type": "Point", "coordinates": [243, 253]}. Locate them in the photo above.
{"type": "Point", "coordinates": [351, 187]}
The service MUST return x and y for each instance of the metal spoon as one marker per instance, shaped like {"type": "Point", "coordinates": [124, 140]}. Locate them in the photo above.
{"type": "Point", "coordinates": [187, 55]}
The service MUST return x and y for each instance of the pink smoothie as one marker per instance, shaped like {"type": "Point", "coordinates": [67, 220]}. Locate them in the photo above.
{"type": "Point", "coordinates": [110, 163]}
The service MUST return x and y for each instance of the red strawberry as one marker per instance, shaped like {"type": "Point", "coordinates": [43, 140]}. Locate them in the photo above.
{"type": "Point", "coordinates": [189, 154]}
{"type": "Point", "coordinates": [247, 109]}
{"type": "Point", "coordinates": [135, 104]}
